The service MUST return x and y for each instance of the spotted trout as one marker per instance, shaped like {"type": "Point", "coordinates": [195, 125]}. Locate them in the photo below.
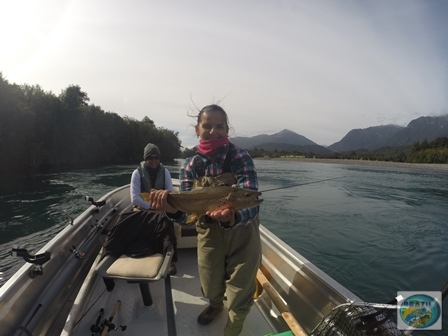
{"type": "Point", "coordinates": [198, 201]}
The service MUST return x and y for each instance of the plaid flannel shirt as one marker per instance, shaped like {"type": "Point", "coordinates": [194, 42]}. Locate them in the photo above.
{"type": "Point", "coordinates": [242, 166]}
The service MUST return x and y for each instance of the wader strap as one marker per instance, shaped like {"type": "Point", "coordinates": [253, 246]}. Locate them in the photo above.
{"type": "Point", "coordinates": [199, 164]}
{"type": "Point", "coordinates": [226, 167]}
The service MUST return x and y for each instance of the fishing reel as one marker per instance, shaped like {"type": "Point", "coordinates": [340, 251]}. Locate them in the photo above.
{"type": "Point", "coordinates": [98, 329]}
{"type": "Point", "coordinates": [104, 325]}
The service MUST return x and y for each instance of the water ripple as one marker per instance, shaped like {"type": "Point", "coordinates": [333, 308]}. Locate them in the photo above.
{"type": "Point", "coordinates": [376, 231]}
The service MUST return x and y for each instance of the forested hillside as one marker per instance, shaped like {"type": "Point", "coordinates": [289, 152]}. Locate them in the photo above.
{"type": "Point", "coordinates": [421, 152]}
{"type": "Point", "coordinates": [41, 131]}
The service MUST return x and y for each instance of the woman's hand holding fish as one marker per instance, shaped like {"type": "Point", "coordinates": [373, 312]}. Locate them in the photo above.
{"type": "Point", "coordinates": [158, 200]}
{"type": "Point", "coordinates": [224, 215]}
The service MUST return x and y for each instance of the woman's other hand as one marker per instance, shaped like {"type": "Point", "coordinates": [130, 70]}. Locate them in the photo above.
{"type": "Point", "coordinates": [159, 201]}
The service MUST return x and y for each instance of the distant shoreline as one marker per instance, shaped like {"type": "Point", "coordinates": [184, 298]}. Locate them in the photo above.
{"type": "Point", "coordinates": [421, 166]}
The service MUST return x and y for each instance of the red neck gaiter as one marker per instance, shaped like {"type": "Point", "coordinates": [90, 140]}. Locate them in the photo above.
{"type": "Point", "coordinates": [208, 147]}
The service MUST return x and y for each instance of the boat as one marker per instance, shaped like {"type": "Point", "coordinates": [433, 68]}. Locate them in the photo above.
{"type": "Point", "coordinates": [58, 291]}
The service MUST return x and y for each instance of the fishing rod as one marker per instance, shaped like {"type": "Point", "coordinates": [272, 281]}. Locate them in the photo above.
{"type": "Point", "coordinates": [108, 325]}
{"type": "Point", "coordinates": [301, 184]}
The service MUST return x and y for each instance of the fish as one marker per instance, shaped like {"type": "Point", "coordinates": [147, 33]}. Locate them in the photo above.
{"type": "Point", "coordinates": [202, 199]}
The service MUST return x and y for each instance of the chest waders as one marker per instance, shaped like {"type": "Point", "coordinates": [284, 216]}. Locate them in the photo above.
{"type": "Point", "coordinates": [228, 260]}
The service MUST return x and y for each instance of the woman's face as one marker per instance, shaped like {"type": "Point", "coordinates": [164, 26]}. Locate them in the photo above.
{"type": "Point", "coordinates": [212, 125]}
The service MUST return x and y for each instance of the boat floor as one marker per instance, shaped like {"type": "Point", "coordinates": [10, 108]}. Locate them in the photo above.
{"type": "Point", "coordinates": [187, 300]}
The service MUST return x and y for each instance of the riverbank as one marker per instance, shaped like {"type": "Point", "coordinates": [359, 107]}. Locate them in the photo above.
{"type": "Point", "coordinates": [422, 166]}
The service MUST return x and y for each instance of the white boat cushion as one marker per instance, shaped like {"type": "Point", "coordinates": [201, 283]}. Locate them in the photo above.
{"type": "Point", "coordinates": [127, 267]}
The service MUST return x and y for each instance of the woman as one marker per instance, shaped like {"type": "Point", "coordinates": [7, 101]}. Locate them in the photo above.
{"type": "Point", "coordinates": [228, 255]}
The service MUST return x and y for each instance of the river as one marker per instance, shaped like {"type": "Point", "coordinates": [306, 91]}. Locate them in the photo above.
{"type": "Point", "coordinates": [376, 230]}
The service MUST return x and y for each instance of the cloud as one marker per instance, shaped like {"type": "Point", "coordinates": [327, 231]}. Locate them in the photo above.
{"type": "Point", "coordinates": [317, 68]}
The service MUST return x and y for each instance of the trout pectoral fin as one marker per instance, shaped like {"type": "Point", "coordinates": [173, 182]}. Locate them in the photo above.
{"type": "Point", "coordinates": [192, 218]}
{"type": "Point", "coordinates": [197, 185]}
{"type": "Point", "coordinates": [145, 196]}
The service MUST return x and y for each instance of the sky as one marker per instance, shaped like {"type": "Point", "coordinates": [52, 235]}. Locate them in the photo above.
{"type": "Point", "coordinates": [318, 68]}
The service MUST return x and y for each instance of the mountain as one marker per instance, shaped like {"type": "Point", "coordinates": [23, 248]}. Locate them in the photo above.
{"type": "Point", "coordinates": [285, 140]}
{"type": "Point", "coordinates": [418, 130]}
{"type": "Point", "coordinates": [367, 138]}
{"type": "Point", "coordinates": [283, 137]}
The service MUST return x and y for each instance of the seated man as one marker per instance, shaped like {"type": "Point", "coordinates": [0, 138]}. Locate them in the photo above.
{"type": "Point", "coordinates": [143, 231]}
{"type": "Point", "coordinates": [151, 174]}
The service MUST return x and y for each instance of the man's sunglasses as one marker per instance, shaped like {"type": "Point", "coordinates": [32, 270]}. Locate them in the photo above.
{"type": "Point", "coordinates": [152, 158]}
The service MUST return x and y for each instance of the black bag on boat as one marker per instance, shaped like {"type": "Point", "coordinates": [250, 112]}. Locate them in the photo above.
{"type": "Point", "coordinates": [140, 233]}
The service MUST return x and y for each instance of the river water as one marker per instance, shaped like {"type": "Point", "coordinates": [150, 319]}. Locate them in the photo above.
{"type": "Point", "coordinates": [374, 230]}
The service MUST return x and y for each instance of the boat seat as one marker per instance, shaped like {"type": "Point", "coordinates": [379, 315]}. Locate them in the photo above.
{"type": "Point", "coordinates": [142, 271]}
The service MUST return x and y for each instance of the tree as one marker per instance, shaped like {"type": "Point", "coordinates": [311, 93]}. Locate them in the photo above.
{"type": "Point", "coordinates": [41, 131]}
{"type": "Point", "coordinates": [16, 126]}
{"type": "Point", "coordinates": [148, 122]}
{"type": "Point", "coordinates": [73, 97]}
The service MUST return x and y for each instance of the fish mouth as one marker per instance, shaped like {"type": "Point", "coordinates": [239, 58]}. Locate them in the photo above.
{"type": "Point", "coordinates": [252, 197]}
{"type": "Point", "coordinates": [254, 200]}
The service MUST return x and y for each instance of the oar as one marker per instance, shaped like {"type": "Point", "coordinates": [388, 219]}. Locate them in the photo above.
{"type": "Point", "coordinates": [277, 300]}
